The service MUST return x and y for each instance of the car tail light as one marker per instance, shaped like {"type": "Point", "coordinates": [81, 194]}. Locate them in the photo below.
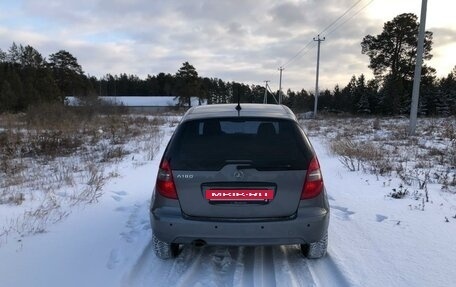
{"type": "Point", "coordinates": [165, 183]}
{"type": "Point", "coordinates": [313, 184]}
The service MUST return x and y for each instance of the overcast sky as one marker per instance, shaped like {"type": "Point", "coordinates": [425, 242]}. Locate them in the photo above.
{"type": "Point", "coordinates": [235, 40]}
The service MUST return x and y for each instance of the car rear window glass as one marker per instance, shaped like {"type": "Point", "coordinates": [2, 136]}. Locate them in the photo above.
{"type": "Point", "coordinates": [261, 143]}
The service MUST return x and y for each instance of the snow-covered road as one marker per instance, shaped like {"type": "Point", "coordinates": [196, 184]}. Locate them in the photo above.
{"type": "Point", "coordinates": [373, 241]}
{"type": "Point", "coordinates": [235, 266]}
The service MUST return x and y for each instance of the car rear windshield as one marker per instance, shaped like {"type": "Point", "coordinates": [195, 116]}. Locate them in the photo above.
{"type": "Point", "coordinates": [260, 143]}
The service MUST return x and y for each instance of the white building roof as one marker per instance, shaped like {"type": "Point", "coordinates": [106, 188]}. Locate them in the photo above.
{"type": "Point", "coordinates": [164, 101]}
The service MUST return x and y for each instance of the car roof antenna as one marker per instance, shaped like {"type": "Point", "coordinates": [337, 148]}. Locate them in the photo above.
{"type": "Point", "coordinates": [238, 107]}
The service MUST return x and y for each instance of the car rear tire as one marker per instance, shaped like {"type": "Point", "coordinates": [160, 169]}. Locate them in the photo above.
{"type": "Point", "coordinates": [165, 250]}
{"type": "Point", "coordinates": [317, 249]}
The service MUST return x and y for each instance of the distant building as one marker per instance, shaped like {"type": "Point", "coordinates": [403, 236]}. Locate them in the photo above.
{"type": "Point", "coordinates": [139, 104]}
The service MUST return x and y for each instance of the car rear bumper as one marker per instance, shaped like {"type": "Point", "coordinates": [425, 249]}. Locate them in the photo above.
{"type": "Point", "coordinates": [309, 225]}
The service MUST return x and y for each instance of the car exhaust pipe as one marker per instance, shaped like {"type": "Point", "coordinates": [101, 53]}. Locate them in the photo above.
{"type": "Point", "coordinates": [198, 243]}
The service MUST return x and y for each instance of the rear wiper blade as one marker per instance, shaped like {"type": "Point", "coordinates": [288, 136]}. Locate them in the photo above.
{"type": "Point", "coordinates": [238, 161]}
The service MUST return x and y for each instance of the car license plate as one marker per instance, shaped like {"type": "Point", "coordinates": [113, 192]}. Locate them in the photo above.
{"type": "Point", "coordinates": [239, 194]}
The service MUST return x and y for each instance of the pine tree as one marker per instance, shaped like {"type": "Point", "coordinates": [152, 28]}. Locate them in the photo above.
{"type": "Point", "coordinates": [8, 99]}
{"type": "Point", "coordinates": [447, 86]}
{"type": "Point", "coordinates": [361, 96]}
{"type": "Point", "coordinates": [14, 54]}
{"type": "Point", "coordinates": [30, 57]}
{"type": "Point", "coordinates": [347, 96]}
{"type": "Point", "coordinates": [67, 72]}
{"type": "Point", "coordinates": [188, 84]}
{"type": "Point", "coordinates": [392, 57]}
{"type": "Point", "coordinates": [3, 57]}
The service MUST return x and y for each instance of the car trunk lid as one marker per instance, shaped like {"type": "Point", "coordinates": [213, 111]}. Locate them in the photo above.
{"type": "Point", "coordinates": [234, 193]}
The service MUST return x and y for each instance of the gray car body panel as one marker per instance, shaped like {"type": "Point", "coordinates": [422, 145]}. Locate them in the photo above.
{"type": "Point", "coordinates": [287, 186]}
{"type": "Point", "coordinates": [308, 224]}
{"type": "Point", "coordinates": [284, 220]}
{"type": "Point", "coordinates": [247, 110]}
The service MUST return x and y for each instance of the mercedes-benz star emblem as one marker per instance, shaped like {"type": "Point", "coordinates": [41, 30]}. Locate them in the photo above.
{"type": "Point", "coordinates": [238, 174]}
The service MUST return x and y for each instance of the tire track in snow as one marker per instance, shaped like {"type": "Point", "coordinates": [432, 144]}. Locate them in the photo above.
{"type": "Point", "coordinates": [245, 267]}
{"type": "Point", "coordinates": [192, 274]}
{"type": "Point", "coordinates": [147, 268]}
{"type": "Point", "coordinates": [263, 271]}
{"type": "Point", "coordinates": [220, 266]}
{"type": "Point", "coordinates": [204, 266]}
{"type": "Point", "coordinates": [291, 267]}
{"type": "Point", "coordinates": [326, 272]}
{"type": "Point", "coordinates": [293, 270]}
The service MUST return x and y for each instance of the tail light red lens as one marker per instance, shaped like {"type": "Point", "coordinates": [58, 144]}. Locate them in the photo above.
{"type": "Point", "coordinates": [313, 185]}
{"type": "Point", "coordinates": [165, 183]}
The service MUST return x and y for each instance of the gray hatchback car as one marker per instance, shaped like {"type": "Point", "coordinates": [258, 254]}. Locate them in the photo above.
{"type": "Point", "coordinates": [239, 175]}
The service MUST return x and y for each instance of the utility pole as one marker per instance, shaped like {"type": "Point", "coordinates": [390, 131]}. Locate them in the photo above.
{"type": "Point", "coordinates": [265, 98]}
{"type": "Point", "coordinates": [418, 65]}
{"type": "Point", "coordinates": [319, 40]}
{"type": "Point", "coordinates": [280, 85]}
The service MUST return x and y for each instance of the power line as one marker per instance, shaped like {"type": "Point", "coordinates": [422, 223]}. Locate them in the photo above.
{"type": "Point", "coordinates": [351, 17]}
{"type": "Point", "coordinates": [324, 30]}
{"type": "Point", "coordinates": [335, 21]}
{"type": "Point", "coordinates": [298, 53]}
{"type": "Point", "coordinates": [308, 46]}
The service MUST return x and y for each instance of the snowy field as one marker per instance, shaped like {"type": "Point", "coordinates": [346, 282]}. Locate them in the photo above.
{"type": "Point", "coordinates": [393, 219]}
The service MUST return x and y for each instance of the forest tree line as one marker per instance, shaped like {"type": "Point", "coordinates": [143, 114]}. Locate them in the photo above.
{"type": "Point", "coordinates": [27, 79]}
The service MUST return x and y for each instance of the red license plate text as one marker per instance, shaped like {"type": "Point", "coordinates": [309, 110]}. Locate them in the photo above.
{"type": "Point", "coordinates": [239, 194]}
